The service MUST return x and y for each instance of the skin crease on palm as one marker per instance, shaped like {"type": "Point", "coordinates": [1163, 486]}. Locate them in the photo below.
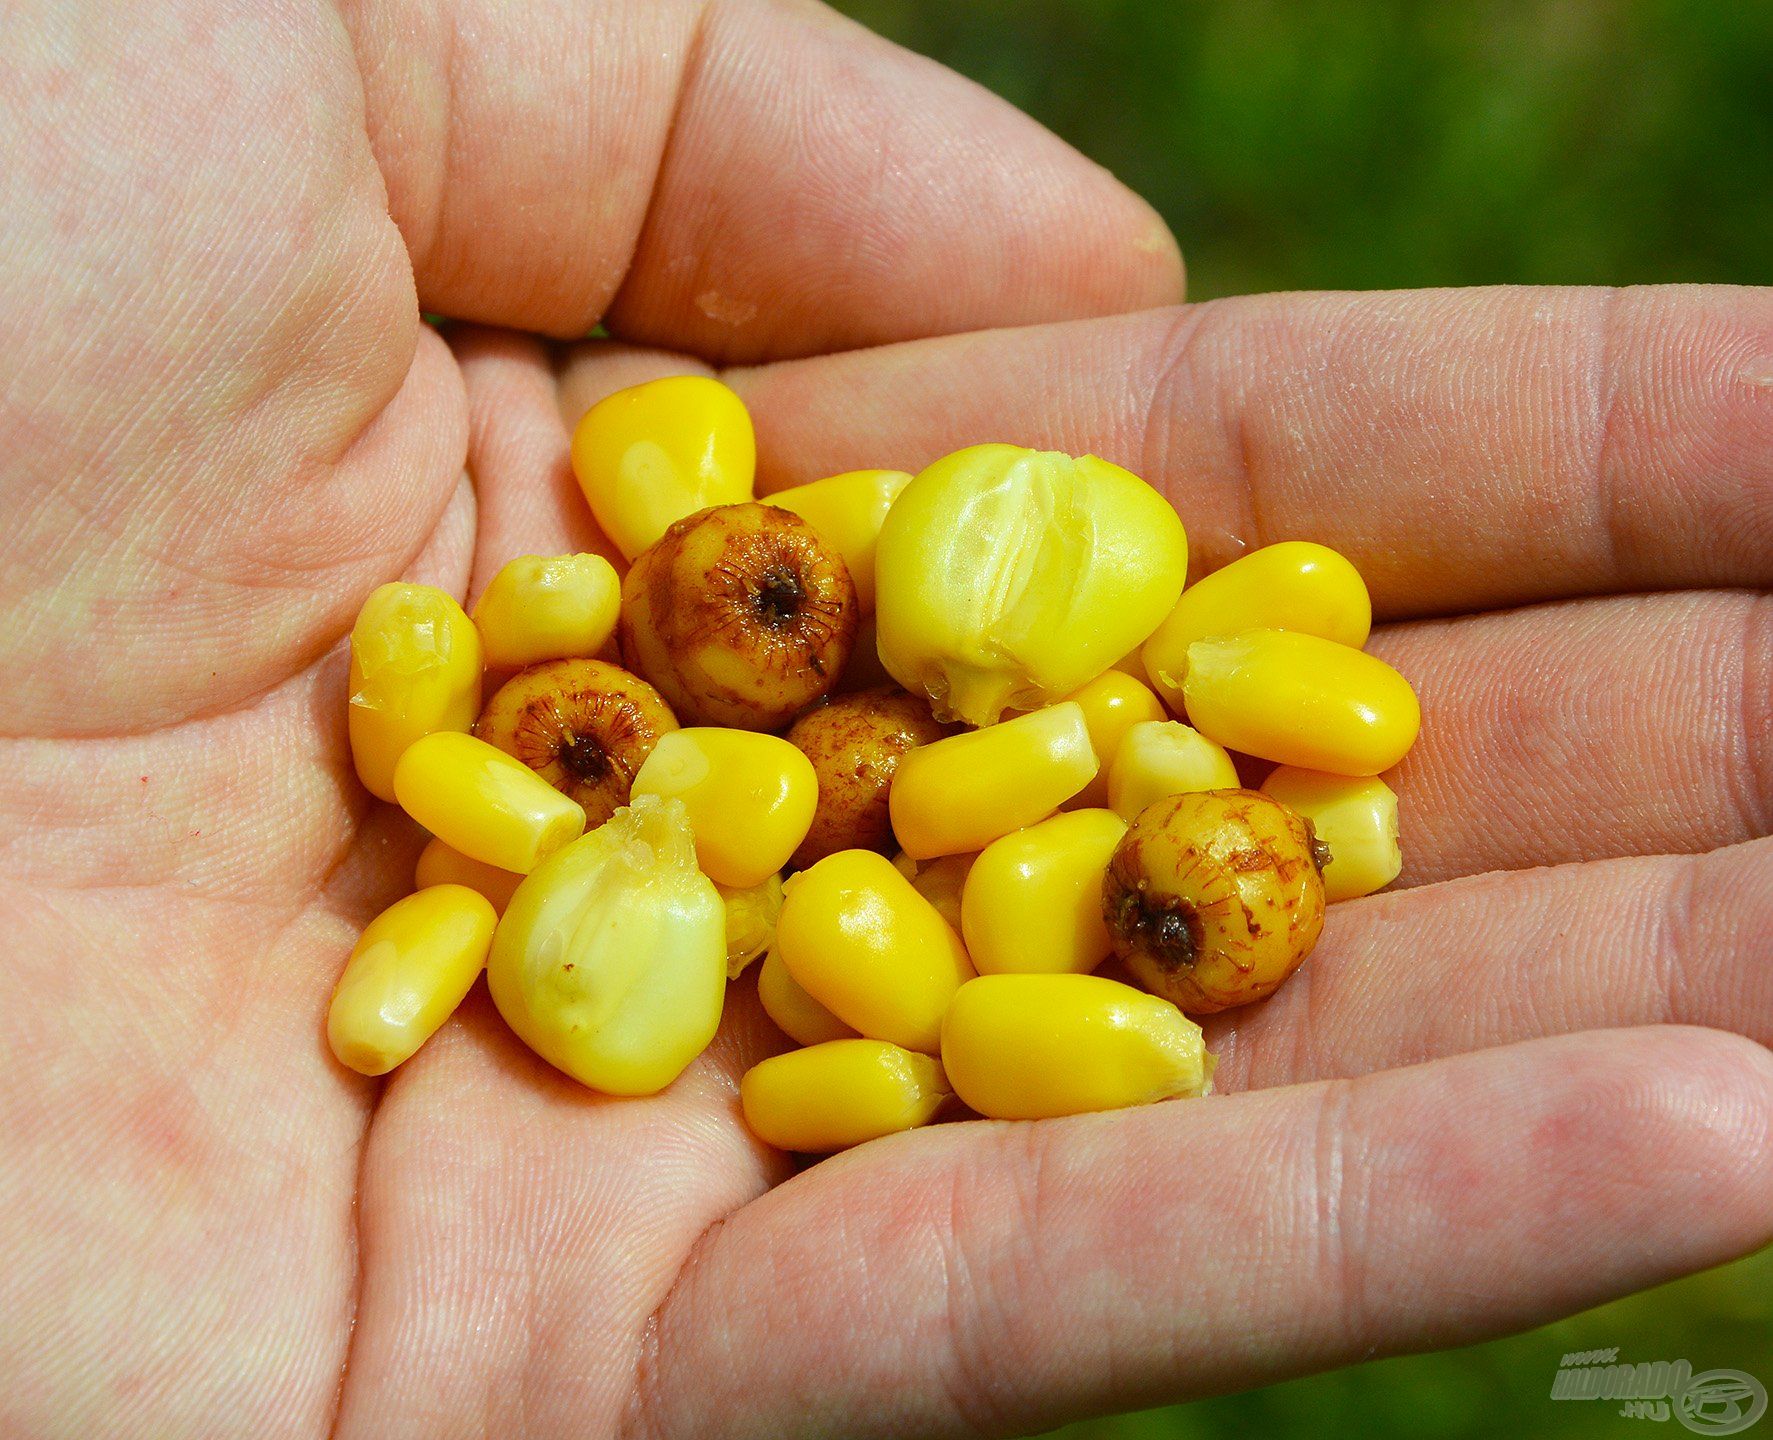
{"type": "Point", "coordinates": [222, 423]}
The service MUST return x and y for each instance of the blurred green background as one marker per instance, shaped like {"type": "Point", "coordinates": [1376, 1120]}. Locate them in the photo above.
{"type": "Point", "coordinates": [1316, 144]}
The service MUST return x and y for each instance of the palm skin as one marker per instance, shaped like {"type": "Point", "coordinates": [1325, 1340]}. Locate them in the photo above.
{"type": "Point", "coordinates": [224, 423]}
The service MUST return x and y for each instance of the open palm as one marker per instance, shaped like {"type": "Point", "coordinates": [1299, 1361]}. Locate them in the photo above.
{"type": "Point", "coordinates": [223, 423]}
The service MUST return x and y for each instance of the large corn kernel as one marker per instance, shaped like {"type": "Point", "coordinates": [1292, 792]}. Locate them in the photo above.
{"type": "Point", "coordinates": [610, 962]}
{"type": "Point", "coordinates": [750, 921]}
{"type": "Point", "coordinates": [941, 881]}
{"type": "Point", "coordinates": [750, 797]}
{"type": "Point", "coordinates": [415, 668]}
{"type": "Point", "coordinates": [441, 864]}
{"type": "Point", "coordinates": [1301, 700]}
{"type": "Point", "coordinates": [651, 454]}
{"type": "Point", "coordinates": [1165, 757]}
{"type": "Point", "coordinates": [848, 511]}
{"type": "Point", "coordinates": [864, 944]}
{"type": "Point", "coordinates": [1026, 1047]}
{"type": "Point", "coordinates": [963, 792]}
{"type": "Point", "coordinates": [1355, 818]}
{"type": "Point", "coordinates": [1033, 900]}
{"type": "Point", "coordinates": [838, 1094]}
{"type": "Point", "coordinates": [1005, 578]}
{"type": "Point", "coordinates": [796, 1014]}
{"type": "Point", "coordinates": [477, 799]}
{"type": "Point", "coordinates": [548, 607]}
{"type": "Point", "coordinates": [1293, 585]}
{"type": "Point", "coordinates": [1113, 703]}
{"type": "Point", "coordinates": [410, 969]}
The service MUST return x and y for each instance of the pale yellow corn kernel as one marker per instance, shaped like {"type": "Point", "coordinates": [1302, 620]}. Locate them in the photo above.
{"type": "Point", "coordinates": [409, 970]}
{"type": "Point", "coordinates": [963, 792]}
{"type": "Point", "coordinates": [477, 799]}
{"type": "Point", "coordinates": [415, 668]}
{"type": "Point", "coordinates": [441, 864]}
{"type": "Point", "coordinates": [795, 1013]}
{"type": "Point", "coordinates": [1293, 585]}
{"type": "Point", "coordinates": [1026, 1047]}
{"type": "Point", "coordinates": [940, 881]}
{"type": "Point", "coordinates": [847, 510]}
{"type": "Point", "coordinates": [610, 962]}
{"type": "Point", "coordinates": [862, 942]}
{"type": "Point", "coordinates": [1113, 703]}
{"type": "Point", "coordinates": [831, 1096]}
{"type": "Point", "coordinates": [750, 921]}
{"type": "Point", "coordinates": [651, 454]}
{"type": "Point", "coordinates": [750, 797]}
{"type": "Point", "coordinates": [1165, 757]}
{"type": "Point", "coordinates": [548, 607]}
{"type": "Point", "coordinates": [1301, 700]}
{"type": "Point", "coordinates": [1033, 900]}
{"type": "Point", "coordinates": [1356, 818]}
{"type": "Point", "coordinates": [1006, 578]}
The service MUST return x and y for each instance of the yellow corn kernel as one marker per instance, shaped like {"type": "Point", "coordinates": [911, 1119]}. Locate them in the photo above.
{"type": "Point", "coordinates": [1113, 703]}
{"type": "Point", "coordinates": [862, 942]}
{"type": "Point", "coordinates": [750, 921]}
{"type": "Point", "coordinates": [410, 969]}
{"type": "Point", "coordinates": [963, 792]}
{"type": "Point", "coordinates": [1356, 818]}
{"type": "Point", "coordinates": [1026, 1047]}
{"type": "Point", "coordinates": [548, 607]}
{"type": "Point", "coordinates": [1005, 578]}
{"type": "Point", "coordinates": [750, 797]}
{"type": "Point", "coordinates": [441, 864]}
{"type": "Point", "coordinates": [1301, 700]}
{"type": "Point", "coordinates": [1294, 585]}
{"type": "Point", "coordinates": [415, 668]}
{"type": "Point", "coordinates": [1033, 900]}
{"type": "Point", "coordinates": [651, 454]}
{"type": "Point", "coordinates": [610, 962]}
{"type": "Point", "coordinates": [847, 510]}
{"type": "Point", "coordinates": [1165, 757]}
{"type": "Point", "coordinates": [940, 881]}
{"type": "Point", "coordinates": [832, 1096]}
{"type": "Point", "coordinates": [477, 799]}
{"type": "Point", "coordinates": [796, 1014]}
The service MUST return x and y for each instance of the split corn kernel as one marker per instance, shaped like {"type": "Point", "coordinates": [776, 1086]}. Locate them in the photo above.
{"type": "Point", "coordinates": [848, 510]}
{"type": "Point", "coordinates": [795, 1013]}
{"type": "Point", "coordinates": [610, 962]}
{"type": "Point", "coordinates": [832, 1096]}
{"type": "Point", "coordinates": [415, 668]}
{"type": "Point", "coordinates": [940, 881]}
{"type": "Point", "coordinates": [410, 969]}
{"type": "Point", "coordinates": [1293, 585]}
{"type": "Point", "coordinates": [963, 792]}
{"type": "Point", "coordinates": [863, 943]}
{"type": "Point", "coordinates": [750, 797]}
{"type": "Point", "coordinates": [1299, 699]}
{"type": "Point", "coordinates": [441, 864]}
{"type": "Point", "coordinates": [1355, 818]}
{"type": "Point", "coordinates": [477, 799]}
{"type": "Point", "coordinates": [548, 607]}
{"type": "Point", "coordinates": [1113, 703]}
{"type": "Point", "coordinates": [1165, 757]}
{"type": "Point", "coordinates": [1027, 1047]}
{"type": "Point", "coordinates": [1006, 578]}
{"type": "Point", "coordinates": [1033, 900]}
{"type": "Point", "coordinates": [651, 454]}
{"type": "Point", "coordinates": [750, 921]}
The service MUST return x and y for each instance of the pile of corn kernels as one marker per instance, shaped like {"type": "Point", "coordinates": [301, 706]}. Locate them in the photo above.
{"type": "Point", "coordinates": [939, 705]}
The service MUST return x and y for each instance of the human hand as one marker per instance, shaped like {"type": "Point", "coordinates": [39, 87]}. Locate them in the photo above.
{"type": "Point", "coordinates": [225, 425]}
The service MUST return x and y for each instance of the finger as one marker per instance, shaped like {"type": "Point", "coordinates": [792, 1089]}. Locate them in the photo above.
{"type": "Point", "coordinates": [1467, 449]}
{"type": "Point", "coordinates": [998, 1278]}
{"type": "Point", "coordinates": [1579, 731]}
{"type": "Point", "coordinates": [735, 178]}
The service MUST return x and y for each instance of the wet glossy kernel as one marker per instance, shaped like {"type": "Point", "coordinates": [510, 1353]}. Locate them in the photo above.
{"type": "Point", "coordinates": [795, 1013]}
{"type": "Point", "coordinates": [1113, 703]}
{"type": "Point", "coordinates": [1033, 900]}
{"type": "Point", "coordinates": [831, 1096]}
{"type": "Point", "coordinates": [1355, 818]}
{"type": "Point", "coordinates": [1165, 757]}
{"type": "Point", "coordinates": [477, 799]}
{"type": "Point", "coordinates": [441, 864]}
{"type": "Point", "coordinates": [848, 511]}
{"type": "Point", "coordinates": [553, 607]}
{"type": "Point", "coordinates": [1027, 1047]}
{"type": "Point", "coordinates": [940, 881]}
{"type": "Point", "coordinates": [750, 921]}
